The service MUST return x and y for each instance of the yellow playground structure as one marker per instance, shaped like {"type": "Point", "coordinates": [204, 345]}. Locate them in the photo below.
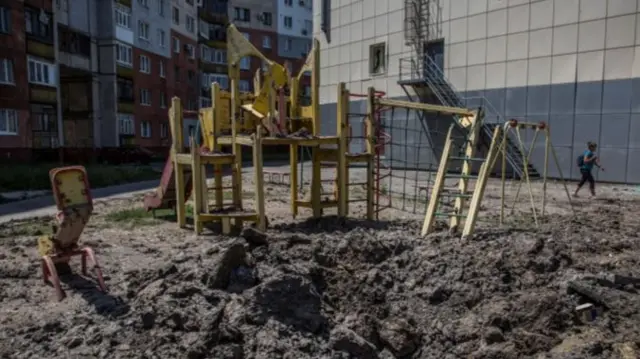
{"type": "Point", "coordinates": [267, 117]}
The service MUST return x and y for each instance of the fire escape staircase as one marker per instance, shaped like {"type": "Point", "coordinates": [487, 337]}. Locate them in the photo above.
{"type": "Point", "coordinates": [424, 81]}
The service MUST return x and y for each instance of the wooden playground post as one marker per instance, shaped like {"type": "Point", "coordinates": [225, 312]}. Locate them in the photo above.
{"type": "Point", "coordinates": [177, 146]}
{"type": "Point", "coordinates": [343, 148]}
{"type": "Point", "coordinates": [370, 147]}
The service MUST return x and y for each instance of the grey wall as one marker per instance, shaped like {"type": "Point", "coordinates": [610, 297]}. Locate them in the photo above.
{"type": "Point", "coordinates": [299, 46]}
{"type": "Point", "coordinates": [572, 63]}
{"type": "Point", "coordinates": [151, 15]}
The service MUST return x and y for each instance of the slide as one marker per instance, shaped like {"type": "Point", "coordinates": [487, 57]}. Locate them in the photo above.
{"type": "Point", "coordinates": [165, 195]}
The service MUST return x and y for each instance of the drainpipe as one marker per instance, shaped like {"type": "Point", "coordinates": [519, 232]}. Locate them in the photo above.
{"type": "Point", "coordinates": [56, 55]}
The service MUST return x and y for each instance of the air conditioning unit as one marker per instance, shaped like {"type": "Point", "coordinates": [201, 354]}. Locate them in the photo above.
{"type": "Point", "coordinates": [301, 2]}
{"type": "Point", "coordinates": [304, 32]}
{"type": "Point", "coordinates": [260, 17]}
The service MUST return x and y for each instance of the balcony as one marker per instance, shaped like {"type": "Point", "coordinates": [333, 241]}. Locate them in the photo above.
{"type": "Point", "coordinates": [75, 49]}
{"type": "Point", "coordinates": [214, 11]}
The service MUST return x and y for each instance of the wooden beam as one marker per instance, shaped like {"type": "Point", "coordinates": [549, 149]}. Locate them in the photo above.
{"type": "Point", "coordinates": [438, 185]}
{"type": "Point", "coordinates": [426, 107]}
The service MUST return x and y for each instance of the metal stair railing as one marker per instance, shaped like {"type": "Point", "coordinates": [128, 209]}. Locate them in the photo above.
{"type": "Point", "coordinates": [448, 96]}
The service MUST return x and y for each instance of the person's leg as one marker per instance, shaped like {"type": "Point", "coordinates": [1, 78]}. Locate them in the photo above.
{"type": "Point", "coordinates": [583, 180]}
{"type": "Point", "coordinates": [592, 184]}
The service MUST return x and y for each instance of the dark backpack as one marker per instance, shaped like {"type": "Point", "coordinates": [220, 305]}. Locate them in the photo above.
{"type": "Point", "coordinates": [580, 160]}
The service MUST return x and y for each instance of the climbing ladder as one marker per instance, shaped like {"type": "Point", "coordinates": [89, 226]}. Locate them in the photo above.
{"type": "Point", "coordinates": [467, 201]}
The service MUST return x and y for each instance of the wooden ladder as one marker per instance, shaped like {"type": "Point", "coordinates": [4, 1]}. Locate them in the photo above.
{"type": "Point", "coordinates": [467, 203]}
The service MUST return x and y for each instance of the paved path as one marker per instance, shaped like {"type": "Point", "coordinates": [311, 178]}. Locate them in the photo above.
{"type": "Point", "coordinates": [44, 206]}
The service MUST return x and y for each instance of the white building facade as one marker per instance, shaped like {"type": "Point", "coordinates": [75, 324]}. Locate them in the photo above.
{"type": "Point", "coordinates": [572, 63]}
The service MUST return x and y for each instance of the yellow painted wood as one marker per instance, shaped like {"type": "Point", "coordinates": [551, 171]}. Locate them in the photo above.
{"type": "Point", "coordinates": [426, 107]}
{"type": "Point", "coordinates": [341, 131]}
{"type": "Point", "coordinates": [293, 178]}
{"type": "Point", "coordinates": [198, 191]}
{"type": "Point", "coordinates": [467, 165]}
{"type": "Point", "coordinates": [438, 184]}
{"type": "Point", "coordinates": [175, 124]}
{"type": "Point", "coordinates": [370, 149]}
{"type": "Point", "coordinates": [481, 183]}
{"type": "Point", "coordinates": [259, 180]}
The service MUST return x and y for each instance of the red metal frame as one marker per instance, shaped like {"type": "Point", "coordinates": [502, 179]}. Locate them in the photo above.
{"type": "Point", "coordinates": [382, 139]}
{"type": "Point", "coordinates": [64, 255]}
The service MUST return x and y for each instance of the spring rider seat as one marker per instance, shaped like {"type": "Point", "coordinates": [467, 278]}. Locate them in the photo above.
{"type": "Point", "coordinates": [72, 194]}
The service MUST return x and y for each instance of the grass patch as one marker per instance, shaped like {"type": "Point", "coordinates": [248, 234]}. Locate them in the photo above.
{"type": "Point", "coordinates": [23, 177]}
{"type": "Point", "coordinates": [140, 217]}
{"type": "Point", "coordinates": [37, 227]}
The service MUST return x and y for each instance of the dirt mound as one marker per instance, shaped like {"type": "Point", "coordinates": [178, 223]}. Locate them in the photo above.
{"type": "Point", "coordinates": [330, 289]}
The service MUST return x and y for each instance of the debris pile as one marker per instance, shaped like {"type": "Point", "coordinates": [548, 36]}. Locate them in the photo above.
{"type": "Point", "coordinates": [335, 290]}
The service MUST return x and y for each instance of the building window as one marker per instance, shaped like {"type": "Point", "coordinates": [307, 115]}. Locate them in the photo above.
{"type": "Point", "coordinates": [163, 100]}
{"type": "Point", "coordinates": [192, 105]}
{"type": "Point", "coordinates": [144, 3]}
{"type": "Point", "coordinates": [288, 44]}
{"type": "Point", "coordinates": [123, 16]}
{"type": "Point", "coordinates": [246, 36]}
{"type": "Point", "coordinates": [145, 64]}
{"type": "Point", "coordinates": [241, 14]}
{"type": "Point", "coordinates": [38, 25]}
{"type": "Point", "coordinates": [74, 43]}
{"type": "Point", "coordinates": [205, 102]}
{"type": "Point", "coordinates": [145, 97]}
{"type": "Point", "coordinates": [43, 122]}
{"type": "Point", "coordinates": [161, 70]}
{"type": "Point", "coordinates": [308, 27]}
{"type": "Point", "coordinates": [307, 48]}
{"type": "Point", "coordinates": [377, 59]}
{"type": "Point", "coordinates": [126, 123]}
{"type": "Point", "coordinates": [6, 72]}
{"type": "Point", "coordinates": [244, 86]}
{"type": "Point", "coordinates": [288, 22]}
{"type": "Point", "coordinates": [266, 18]}
{"type": "Point", "coordinates": [191, 51]}
{"type": "Point", "coordinates": [41, 73]}
{"type": "Point", "coordinates": [245, 63]}
{"type": "Point", "coordinates": [214, 56]}
{"type": "Point", "coordinates": [161, 7]}
{"type": "Point", "coordinates": [145, 129]}
{"type": "Point", "coordinates": [175, 44]}
{"type": "Point", "coordinates": [123, 54]}
{"type": "Point", "coordinates": [125, 90]}
{"type": "Point", "coordinates": [209, 79]}
{"type": "Point", "coordinates": [175, 16]}
{"type": "Point", "coordinates": [162, 38]}
{"type": "Point", "coordinates": [191, 24]}
{"type": "Point", "coordinates": [288, 2]}
{"type": "Point", "coordinates": [5, 19]}
{"type": "Point", "coordinates": [266, 42]}
{"type": "Point", "coordinates": [164, 130]}
{"type": "Point", "coordinates": [143, 30]}
{"type": "Point", "coordinates": [8, 122]}
{"type": "Point", "coordinates": [176, 73]}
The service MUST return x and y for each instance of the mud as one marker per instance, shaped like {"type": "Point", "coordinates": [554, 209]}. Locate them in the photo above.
{"type": "Point", "coordinates": [336, 289]}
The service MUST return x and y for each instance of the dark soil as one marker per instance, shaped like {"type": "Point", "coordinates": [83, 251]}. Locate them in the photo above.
{"type": "Point", "coordinates": [336, 290]}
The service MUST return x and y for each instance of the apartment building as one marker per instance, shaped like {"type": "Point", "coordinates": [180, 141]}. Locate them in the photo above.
{"type": "Point", "coordinates": [212, 42]}
{"type": "Point", "coordinates": [260, 24]}
{"type": "Point", "coordinates": [14, 82]}
{"type": "Point", "coordinates": [99, 74]}
{"type": "Point", "coordinates": [574, 64]}
{"type": "Point", "coordinates": [295, 28]}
